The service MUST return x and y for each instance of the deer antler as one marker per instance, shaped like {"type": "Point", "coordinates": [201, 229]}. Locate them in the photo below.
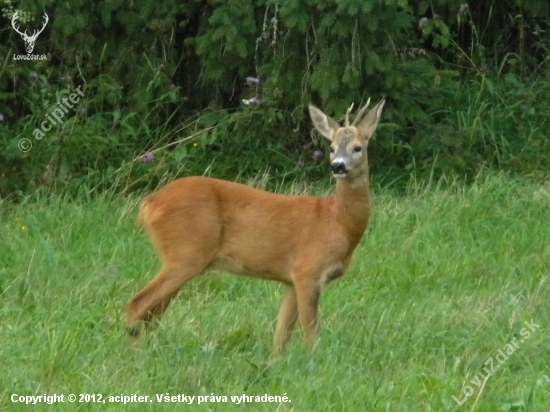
{"type": "Point", "coordinates": [46, 20]}
{"type": "Point", "coordinates": [13, 19]}
{"type": "Point", "coordinates": [37, 32]}
{"type": "Point", "coordinates": [346, 121]}
{"type": "Point", "coordinates": [360, 114]}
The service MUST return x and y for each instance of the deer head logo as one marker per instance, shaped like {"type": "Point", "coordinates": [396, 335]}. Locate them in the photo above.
{"type": "Point", "coordinates": [29, 40]}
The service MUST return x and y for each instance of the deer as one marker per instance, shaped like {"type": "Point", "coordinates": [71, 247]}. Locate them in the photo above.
{"type": "Point", "coordinates": [305, 242]}
{"type": "Point", "coordinates": [29, 40]}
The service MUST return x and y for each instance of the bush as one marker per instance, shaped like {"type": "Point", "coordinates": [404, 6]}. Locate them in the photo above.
{"type": "Point", "coordinates": [167, 82]}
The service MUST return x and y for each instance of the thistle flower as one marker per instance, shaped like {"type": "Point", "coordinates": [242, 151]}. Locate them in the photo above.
{"type": "Point", "coordinates": [2, 118]}
{"type": "Point", "coordinates": [317, 155]}
{"type": "Point", "coordinates": [148, 158]}
{"type": "Point", "coordinates": [300, 163]}
{"type": "Point", "coordinates": [33, 76]}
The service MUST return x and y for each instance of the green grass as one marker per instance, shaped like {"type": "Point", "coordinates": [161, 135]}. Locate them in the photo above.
{"type": "Point", "coordinates": [443, 280]}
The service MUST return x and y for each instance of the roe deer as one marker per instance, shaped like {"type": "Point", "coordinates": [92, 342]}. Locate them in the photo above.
{"type": "Point", "coordinates": [305, 242]}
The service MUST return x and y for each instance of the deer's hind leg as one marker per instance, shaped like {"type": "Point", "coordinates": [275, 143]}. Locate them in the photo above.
{"type": "Point", "coordinates": [183, 259]}
{"type": "Point", "coordinates": [150, 303]}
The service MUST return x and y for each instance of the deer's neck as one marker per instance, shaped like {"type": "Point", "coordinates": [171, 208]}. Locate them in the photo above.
{"type": "Point", "coordinates": [353, 205]}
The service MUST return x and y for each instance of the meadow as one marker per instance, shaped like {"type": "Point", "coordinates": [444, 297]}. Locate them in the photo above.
{"type": "Point", "coordinates": [448, 277]}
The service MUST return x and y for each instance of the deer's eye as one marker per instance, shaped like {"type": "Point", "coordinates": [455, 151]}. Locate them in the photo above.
{"type": "Point", "coordinates": [356, 149]}
{"type": "Point", "coordinates": [331, 149]}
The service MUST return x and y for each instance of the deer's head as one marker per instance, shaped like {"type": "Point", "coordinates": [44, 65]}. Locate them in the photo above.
{"type": "Point", "coordinates": [29, 40]}
{"type": "Point", "coordinates": [348, 148]}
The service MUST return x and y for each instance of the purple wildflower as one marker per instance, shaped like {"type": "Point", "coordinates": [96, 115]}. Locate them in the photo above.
{"type": "Point", "coordinates": [317, 155]}
{"type": "Point", "coordinates": [300, 163]}
{"type": "Point", "coordinates": [2, 118]}
{"type": "Point", "coordinates": [252, 81]}
{"type": "Point", "coordinates": [148, 157]}
{"type": "Point", "coordinates": [537, 30]}
{"type": "Point", "coordinates": [33, 76]}
{"type": "Point", "coordinates": [423, 22]}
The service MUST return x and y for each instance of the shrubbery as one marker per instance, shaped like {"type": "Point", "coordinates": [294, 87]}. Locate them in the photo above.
{"type": "Point", "coordinates": [167, 94]}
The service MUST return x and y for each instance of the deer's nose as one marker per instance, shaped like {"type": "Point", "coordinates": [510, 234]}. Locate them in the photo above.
{"type": "Point", "coordinates": [338, 168]}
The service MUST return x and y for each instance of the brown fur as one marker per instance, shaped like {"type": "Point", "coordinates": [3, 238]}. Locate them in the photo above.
{"type": "Point", "coordinates": [200, 223]}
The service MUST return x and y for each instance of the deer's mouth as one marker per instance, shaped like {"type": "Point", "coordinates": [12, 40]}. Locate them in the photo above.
{"type": "Point", "coordinates": [340, 175]}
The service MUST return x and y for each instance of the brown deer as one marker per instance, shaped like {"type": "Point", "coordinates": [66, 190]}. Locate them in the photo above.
{"type": "Point", "coordinates": [305, 242]}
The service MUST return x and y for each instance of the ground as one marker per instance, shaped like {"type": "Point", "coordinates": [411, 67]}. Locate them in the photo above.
{"type": "Point", "coordinates": [444, 287]}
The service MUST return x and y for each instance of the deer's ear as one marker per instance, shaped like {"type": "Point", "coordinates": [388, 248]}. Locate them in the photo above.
{"type": "Point", "coordinates": [323, 123]}
{"type": "Point", "coordinates": [367, 126]}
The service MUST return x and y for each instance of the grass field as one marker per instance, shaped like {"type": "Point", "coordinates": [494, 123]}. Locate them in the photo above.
{"type": "Point", "coordinates": [444, 279]}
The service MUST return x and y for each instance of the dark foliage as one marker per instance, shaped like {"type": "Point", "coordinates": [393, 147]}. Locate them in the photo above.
{"type": "Point", "coordinates": [177, 88]}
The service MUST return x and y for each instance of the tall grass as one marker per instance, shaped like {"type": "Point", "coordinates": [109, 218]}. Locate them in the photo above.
{"type": "Point", "coordinates": [443, 280]}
